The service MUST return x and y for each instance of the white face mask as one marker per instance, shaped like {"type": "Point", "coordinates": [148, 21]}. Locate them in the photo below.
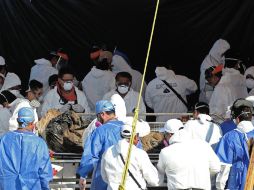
{"type": "Point", "coordinates": [68, 86]}
{"type": "Point", "coordinates": [250, 83]}
{"type": "Point", "coordinates": [123, 89]}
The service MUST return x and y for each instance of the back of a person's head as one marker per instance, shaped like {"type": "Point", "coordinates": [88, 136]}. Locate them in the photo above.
{"type": "Point", "coordinates": [6, 97]}
{"type": "Point", "coordinates": [65, 70]}
{"type": "Point", "coordinates": [52, 79]}
{"type": "Point", "coordinates": [202, 107]}
{"type": "Point", "coordinates": [211, 71]}
{"type": "Point", "coordinates": [242, 109]}
{"type": "Point", "coordinates": [124, 74]}
{"type": "Point", "coordinates": [35, 85]}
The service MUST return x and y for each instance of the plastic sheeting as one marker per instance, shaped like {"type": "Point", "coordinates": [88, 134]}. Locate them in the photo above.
{"type": "Point", "coordinates": [184, 33]}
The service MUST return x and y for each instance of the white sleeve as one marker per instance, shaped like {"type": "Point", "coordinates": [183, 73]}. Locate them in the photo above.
{"type": "Point", "coordinates": [103, 169]}
{"type": "Point", "coordinates": [214, 162]}
{"type": "Point", "coordinates": [190, 85]}
{"type": "Point", "coordinates": [147, 97]}
{"type": "Point", "coordinates": [161, 167]}
{"type": "Point", "coordinates": [222, 177]}
{"type": "Point", "coordinates": [142, 109]}
{"type": "Point", "coordinates": [149, 171]}
{"type": "Point", "coordinates": [82, 100]}
{"type": "Point", "coordinates": [46, 105]}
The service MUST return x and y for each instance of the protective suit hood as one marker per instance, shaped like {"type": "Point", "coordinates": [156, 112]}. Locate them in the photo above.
{"type": "Point", "coordinates": [97, 73]}
{"type": "Point", "coordinates": [42, 61]}
{"type": "Point", "coordinates": [218, 49]}
{"type": "Point", "coordinates": [142, 127]}
{"type": "Point", "coordinates": [120, 64]}
{"type": "Point", "coordinates": [245, 126]}
{"type": "Point", "coordinates": [120, 108]}
{"type": "Point", "coordinates": [180, 136]}
{"type": "Point", "coordinates": [230, 71]}
{"type": "Point", "coordinates": [164, 74]}
{"type": "Point", "coordinates": [11, 80]}
{"type": "Point", "coordinates": [203, 118]}
{"type": "Point", "coordinates": [122, 147]}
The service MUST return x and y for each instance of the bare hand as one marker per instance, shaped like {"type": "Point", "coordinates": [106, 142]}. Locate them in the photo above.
{"type": "Point", "coordinates": [82, 184]}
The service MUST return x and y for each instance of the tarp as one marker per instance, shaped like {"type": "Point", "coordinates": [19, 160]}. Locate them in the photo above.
{"type": "Point", "coordinates": [184, 33]}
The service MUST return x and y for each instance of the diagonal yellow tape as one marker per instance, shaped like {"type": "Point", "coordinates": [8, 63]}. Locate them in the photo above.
{"type": "Point", "coordinates": [125, 172]}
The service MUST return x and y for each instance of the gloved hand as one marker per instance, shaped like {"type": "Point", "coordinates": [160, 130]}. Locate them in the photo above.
{"type": "Point", "coordinates": [65, 108]}
{"type": "Point", "coordinates": [78, 108]}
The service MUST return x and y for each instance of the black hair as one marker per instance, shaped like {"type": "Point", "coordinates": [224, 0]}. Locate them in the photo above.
{"type": "Point", "coordinates": [124, 74]}
{"type": "Point", "coordinates": [241, 109]}
{"type": "Point", "coordinates": [6, 96]}
{"type": "Point", "coordinates": [65, 70]}
{"type": "Point", "coordinates": [52, 79]}
{"type": "Point", "coordinates": [202, 108]}
{"type": "Point", "coordinates": [110, 112]}
{"type": "Point", "coordinates": [209, 73]}
{"type": "Point", "coordinates": [102, 64]}
{"type": "Point", "coordinates": [244, 113]}
{"type": "Point", "coordinates": [35, 85]}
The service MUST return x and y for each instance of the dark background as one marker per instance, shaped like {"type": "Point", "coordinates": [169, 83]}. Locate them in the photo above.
{"type": "Point", "coordinates": [184, 32]}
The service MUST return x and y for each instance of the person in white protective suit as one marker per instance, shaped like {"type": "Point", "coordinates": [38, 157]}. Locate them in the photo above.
{"type": "Point", "coordinates": [120, 113]}
{"type": "Point", "coordinates": [202, 127]}
{"type": "Point", "coordinates": [100, 79]}
{"type": "Point", "coordinates": [169, 129]}
{"type": "Point", "coordinates": [249, 76]}
{"type": "Point", "coordinates": [187, 163]}
{"type": "Point", "coordinates": [46, 67]}
{"type": "Point", "coordinates": [230, 87]}
{"type": "Point", "coordinates": [120, 63]}
{"type": "Point", "coordinates": [65, 96]}
{"type": "Point", "coordinates": [141, 168]}
{"type": "Point", "coordinates": [12, 83]}
{"type": "Point", "coordinates": [215, 57]}
{"type": "Point", "coordinates": [162, 99]}
{"type": "Point", "coordinates": [5, 98]}
{"type": "Point", "coordinates": [130, 97]}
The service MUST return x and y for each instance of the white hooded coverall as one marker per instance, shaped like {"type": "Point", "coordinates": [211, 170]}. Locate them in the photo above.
{"type": "Point", "coordinates": [96, 84]}
{"type": "Point", "coordinates": [52, 101]}
{"type": "Point", "coordinates": [214, 58]}
{"type": "Point", "coordinates": [140, 166]}
{"type": "Point", "coordinates": [41, 72]}
{"type": "Point", "coordinates": [203, 129]}
{"type": "Point", "coordinates": [131, 101]}
{"type": "Point", "coordinates": [121, 65]}
{"type": "Point", "coordinates": [162, 100]}
{"type": "Point", "coordinates": [187, 163]}
{"type": "Point", "coordinates": [230, 87]}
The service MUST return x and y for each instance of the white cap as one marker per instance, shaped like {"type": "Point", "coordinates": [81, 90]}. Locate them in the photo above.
{"type": "Point", "coordinates": [2, 61]}
{"type": "Point", "coordinates": [172, 125]}
{"type": "Point", "coordinates": [126, 131]}
{"type": "Point", "coordinates": [10, 81]}
{"type": "Point", "coordinates": [142, 127]}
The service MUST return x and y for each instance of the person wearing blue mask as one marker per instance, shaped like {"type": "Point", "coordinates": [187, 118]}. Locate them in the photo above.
{"type": "Point", "coordinates": [100, 140]}
{"type": "Point", "coordinates": [24, 161]}
{"type": "Point", "coordinates": [232, 150]}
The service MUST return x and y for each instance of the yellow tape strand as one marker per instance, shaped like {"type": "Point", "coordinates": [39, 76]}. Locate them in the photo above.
{"type": "Point", "coordinates": [125, 172]}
